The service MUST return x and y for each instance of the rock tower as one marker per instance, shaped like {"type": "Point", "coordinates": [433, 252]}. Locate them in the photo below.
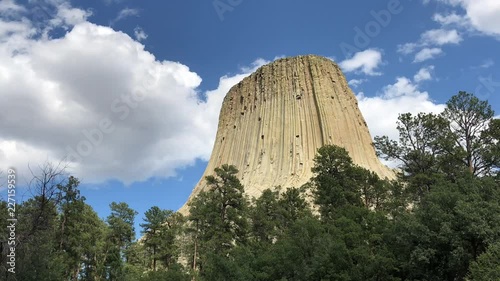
{"type": "Point", "coordinates": [272, 123]}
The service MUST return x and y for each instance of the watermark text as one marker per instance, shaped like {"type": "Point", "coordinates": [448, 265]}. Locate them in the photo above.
{"type": "Point", "coordinates": [12, 220]}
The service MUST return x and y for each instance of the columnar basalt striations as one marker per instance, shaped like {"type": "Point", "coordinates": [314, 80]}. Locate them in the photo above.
{"type": "Point", "coordinates": [272, 123]}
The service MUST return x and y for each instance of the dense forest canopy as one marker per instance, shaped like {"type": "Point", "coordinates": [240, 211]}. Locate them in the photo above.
{"type": "Point", "coordinates": [439, 220]}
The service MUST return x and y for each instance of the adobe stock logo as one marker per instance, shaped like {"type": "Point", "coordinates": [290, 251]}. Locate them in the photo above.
{"type": "Point", "coordinates": [224, 6]}
{"type": "Point", "coordinates": [362, 37]}
{"type": "Point", "coordinates": [486, 87]}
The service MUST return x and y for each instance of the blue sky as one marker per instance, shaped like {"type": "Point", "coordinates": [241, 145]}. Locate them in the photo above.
{"type": "Point", "coordinates": [129, 91]}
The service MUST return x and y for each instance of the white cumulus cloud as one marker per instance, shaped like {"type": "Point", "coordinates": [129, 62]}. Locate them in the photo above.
{"type": "Point", "coordinates": [430, 43]}
{"type": "Point", "coordinates": [10, 7]}
{"type": "Point", "coordinates": [440, 37]}
{"type": "Point", "coordinates": [366, 61]}
{"type": "Point", "coordinates": [483, 15]}
{"type": "Point", "coordinates": [356, 82]}
{"type": "Point", "coordinates": [381, 111]}
{"type": "Point", "coordinates": [423, 74]}
{"type": "Point", "coordinates": [97, 98]}
{"type": "Point", "coordinates": [479, 15]}
{"type": "Point", "coordinates": [140, 34]}
{"type": "Point", "coordinates": [451, 19]}
{"type": "Point", "coordinates": [125, 13]}
{"type": "Point", "coordinates": [427, 54]}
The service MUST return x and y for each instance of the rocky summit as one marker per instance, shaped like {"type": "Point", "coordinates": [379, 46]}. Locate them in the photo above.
{"type": "Point", "coordinates": [272, 123]}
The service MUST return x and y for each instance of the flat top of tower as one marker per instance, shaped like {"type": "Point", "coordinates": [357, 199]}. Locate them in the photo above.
{"type": "Point", "coordinates": [289, 63]}
{"type": "Point", "coordinates": [309, 57]}
{"type": "Point", "coordinates": [295, 61]}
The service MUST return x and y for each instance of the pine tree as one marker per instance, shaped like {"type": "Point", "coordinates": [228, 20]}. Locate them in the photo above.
{"type": "Point", "coordinates": [219, 217]}
{"type": "Point", "coordinates": [120, 236]}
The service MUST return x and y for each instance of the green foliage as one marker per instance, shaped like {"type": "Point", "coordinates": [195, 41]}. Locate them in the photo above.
{"type": "Point", "coordinates": [487, 266]}
{"type": "Point", "coordinates": [154, 219]}
{"type": "Point", "coordinates": [218, 217]}
{"type": "Point", "coordinates": [120, 236]}
{"type": "Point", "coordinates": [169, 249]}
{"type": "Point", "coordinates": [78, 228]}
{"type": "Point", "coordinates": [121, 223]}
{"type": "Point", "coordinates": [335, 181]}
{"type": "Point", "coordinates": [339, 184]}
{"type": "Point", "coordinates": [219, 213]}
{"type": "Point", "coordinates": [420, 139]}
{"type": "Point", "coordinates": [468, 118]}
{"type": "Point", "coordinates": [175, 273]}
{"type": "Point", "coordinates": [293, 206]}
{"type": "Point", "coordinates": [37, 220]}
{"type": "Point", "coordinates": [160, 230]}
{"type": "Point", "coordinates": [273, 212]}
{"type": "Point", "coordinates": [266, 217]}
{"type": "Point", "coordinates": [462, 138]}
{"type": "Point", "coordinates": [451, 227]}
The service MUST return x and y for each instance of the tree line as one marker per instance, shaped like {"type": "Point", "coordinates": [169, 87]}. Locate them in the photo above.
{"type": "Point", "coordinates": [438, 220]}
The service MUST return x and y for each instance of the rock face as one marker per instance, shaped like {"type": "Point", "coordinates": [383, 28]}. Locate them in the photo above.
{"type": "Point", "coordinates": [272, 123]}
